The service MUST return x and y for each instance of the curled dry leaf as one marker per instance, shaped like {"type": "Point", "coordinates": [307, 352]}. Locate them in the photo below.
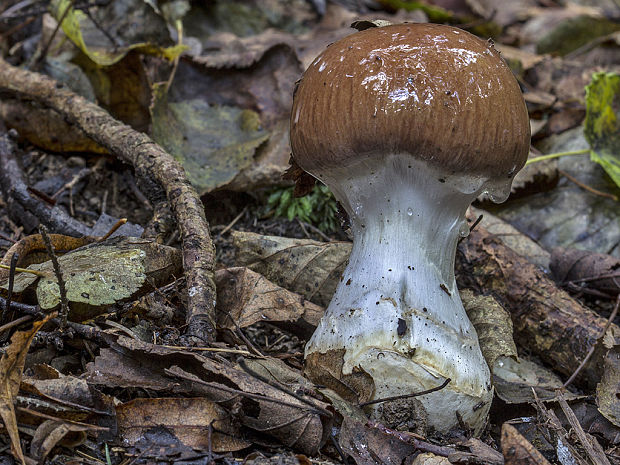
{"type": "Point", "coordinates": [299, 422]}
{"type": "Point", "coordinates": [517, 450]}
{"type": "Point", "coordinates": [189, 420]}
{"type": "Point", "coordinates": [226, 50]}
{"type": "Point", "coordinates": [309, 268]}
{"type": "Point", "coordinates": [493, 325]}
{"type": "Point", "coordinates": [51, 433]}
{"type": "Point", "coordinates": [585, 269]}
{"type": "Point", "coordinates": [11, 370]}
{"type": "Point", "coordinates": [608, 389]}
{"type": "Point", "coordinates": [31, 249]}
{"type": "Point", "coordinates": [69, 398]}
{"type": "Point", "coordinates": [246, 297]}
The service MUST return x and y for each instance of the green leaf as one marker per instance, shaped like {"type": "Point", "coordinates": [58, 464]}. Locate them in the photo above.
{"type": "Point", "coordinates": [602, 124]}
{"type": "Point", "coordinates": [286, 197]}
{"type": "Point", "coordinates": [274, 198]}
{"type": "Point", "coordinates": [291, 212]}
{"type": "Point", "coordinates": [434, 13]}
{"type": "Point", "coordinates": [87, 35]}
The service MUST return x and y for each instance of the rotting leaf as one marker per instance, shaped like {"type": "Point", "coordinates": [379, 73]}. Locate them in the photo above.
{"type": "Point", "coordinates": [608, 390]}
{"type": "Point", "coordinates": [602, 124]}
{"type": "Point", "coordinates": [428, 458]}
{"type": "Point", "coordinates": [11, 371]}
{"type": "Point", "coordinates": [103, 273]}
{"type": "Point", "coordinates": [307, 267]}
{"type": "Point", "coordinates": [31, 249]}
{"type": "Point", "coordinates": [246, 297]}
{"type": "Point", "coordinates": [188, 419]}
{"type": "Point", "coordinates": [213, 143]}
{"type": "Point", "coordinates": [515, 381]}
{"type": "Point", "coordinates": [575, 32]}
{"type": "Point", "coordinates": [119, 20]}
{"type": "Point", "coordinates": [368, 445]}
{"type": "Point", "coordinates": [96, 277]}
{"type": "Point", "coordinates": [245, 18]}
{"type": "Point", "coordinates": [292, 421]}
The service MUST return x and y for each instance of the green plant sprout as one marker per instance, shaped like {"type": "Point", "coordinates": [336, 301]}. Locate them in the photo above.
{"type": "Point", "coordinates": [318, 208]}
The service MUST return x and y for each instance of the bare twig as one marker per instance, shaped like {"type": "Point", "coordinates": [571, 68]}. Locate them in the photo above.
{"type": "Point", "coordinates": [233, 222]}
{"type": "Point", "coordinates": [410, 438]}
{"type": "Point", "coordinates": [16, 322]}
{"type": "Point", "coordinates": [586, 187]}
{"type": "Point", "coordinates": [589, 443]}
{"type": "Point", "coordinates": [29, 209]}
{"type": "Point", "coordinates": [9, 294]}
{"type": "Point", "coordinates": [7, 238]}
{"type": "Point", "coordinates": [38, 58]}
{"type": "Point", "coordinates": [406, 396]}
{"type": "Point", "coordinates": [281, 387]}
{"type": "Point", "coordinates": [315, 229]}
{"type": "Point", "coordinates": [64, 303]}
{"type": "Point", "coordinates": [476, 223]}
{"type": "Point", "coordinates": [113, 229]}
{"type": "Point", "coordinates": [85, 331]}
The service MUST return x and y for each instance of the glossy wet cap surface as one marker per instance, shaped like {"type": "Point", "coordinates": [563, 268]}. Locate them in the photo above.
{"type": "Point", "coordinates": [432, 91]}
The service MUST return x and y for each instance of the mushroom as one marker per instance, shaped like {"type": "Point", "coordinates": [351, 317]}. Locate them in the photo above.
{"type": "Point", "coordinates": [407, 124]}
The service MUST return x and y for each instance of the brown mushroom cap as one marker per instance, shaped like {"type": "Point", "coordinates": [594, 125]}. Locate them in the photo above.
{"type": "Point", "coordinates": [432, 91]}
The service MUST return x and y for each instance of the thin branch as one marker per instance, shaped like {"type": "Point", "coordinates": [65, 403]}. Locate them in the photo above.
{"type": "Point", "coordinates": [9, 296]}
{"type": "Point", "coordinates": [85, 331]}
{"type": "Point", "coordinates": [586, 187]}
{"type": "Point", "coordinates": [406, 396]}
{"type": "Point", "coordinates": [64, 303]}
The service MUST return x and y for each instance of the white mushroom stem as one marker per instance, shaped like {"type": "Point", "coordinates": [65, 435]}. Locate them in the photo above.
{"type": "Point", "coordinates": [397, 311]}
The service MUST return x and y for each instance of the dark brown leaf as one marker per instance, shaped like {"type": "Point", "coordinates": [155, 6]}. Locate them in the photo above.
{"type": "Point", "coordinates": [585, 269]}
{"type": "Point", "coordinates": [517, 450]}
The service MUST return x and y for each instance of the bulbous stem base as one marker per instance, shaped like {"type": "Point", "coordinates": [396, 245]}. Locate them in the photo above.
{"type": "Point", "coordinates": [396, 324]}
